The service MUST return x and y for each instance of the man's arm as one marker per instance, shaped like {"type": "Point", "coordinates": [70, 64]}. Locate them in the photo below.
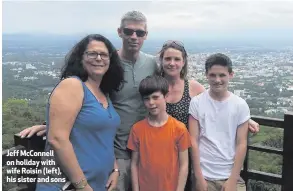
{"type": "Point", "coordinates": [40, 130]}
{"type": "Point", "coordinates": [134, 170]}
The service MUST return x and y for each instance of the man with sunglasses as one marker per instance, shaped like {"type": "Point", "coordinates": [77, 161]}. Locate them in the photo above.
{"type": "Point", "coordinates": [128, 102]}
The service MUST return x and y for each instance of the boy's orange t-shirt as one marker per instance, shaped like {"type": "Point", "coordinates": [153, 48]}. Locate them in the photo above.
{"type": "Point", "coordinates": [159, 149]}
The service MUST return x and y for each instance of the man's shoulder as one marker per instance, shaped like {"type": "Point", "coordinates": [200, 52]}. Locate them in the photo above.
{"type": "Point", "coordinates": [145, 55]}
{"type": "Point", "coordinates": [147, 58]}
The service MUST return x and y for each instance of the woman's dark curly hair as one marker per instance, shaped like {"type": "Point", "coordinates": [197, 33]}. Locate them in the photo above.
{"type": "Point", "coordinates": [112, 80]}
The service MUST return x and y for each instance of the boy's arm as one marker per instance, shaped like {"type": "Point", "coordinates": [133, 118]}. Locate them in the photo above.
{"type": "Point", "coordinates": [194, 130]}
{"type": "Point", "coordinates": [134, 170]}
{"type": "Point", "coordinates": [194, 134]}
{"type": "Point", "coordinates": [183, 170]}
{"type": "Point", "coordinates": [241, 147]}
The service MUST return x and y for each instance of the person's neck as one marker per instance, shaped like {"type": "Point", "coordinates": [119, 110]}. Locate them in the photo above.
{"type": "Point", "coordinates": [127, 55]}
{"type": "Point", "coordinates": [219, 96]}
{"type": "Point", "coordinates": [94, 82]}
{"type": "Point", "coordinates": [158, 120]}
{"type": "Point", "coordinates": [173, 81]}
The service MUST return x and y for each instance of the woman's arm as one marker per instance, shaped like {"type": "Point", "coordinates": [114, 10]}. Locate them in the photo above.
{"type": "Point", "coordinates": [113, 178]}
{"type": "Point", "coordinates": [65, 104]}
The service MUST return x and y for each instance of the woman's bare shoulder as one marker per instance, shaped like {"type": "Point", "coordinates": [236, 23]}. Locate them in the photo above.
{"type": "Point", "coordinates": [195, 88]}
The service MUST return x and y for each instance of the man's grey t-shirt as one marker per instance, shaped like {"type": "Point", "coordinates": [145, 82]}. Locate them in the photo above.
{"type": "Point", "coordinates": [128, 102]}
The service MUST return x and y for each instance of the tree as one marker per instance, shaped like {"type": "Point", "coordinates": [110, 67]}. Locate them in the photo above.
{"type": "Point", "coordinates": [18, 114]}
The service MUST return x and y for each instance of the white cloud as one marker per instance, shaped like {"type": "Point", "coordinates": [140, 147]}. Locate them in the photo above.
{"type": "Point", "coordinates": [223, 15]}
{"type": "Point", "coordinates": [74, 17]}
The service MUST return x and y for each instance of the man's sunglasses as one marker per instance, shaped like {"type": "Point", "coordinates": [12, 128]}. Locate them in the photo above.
{"type": "Point", "coordinates": [129, 32]}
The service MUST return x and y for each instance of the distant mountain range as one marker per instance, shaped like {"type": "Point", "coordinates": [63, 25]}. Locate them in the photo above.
{"type": "Point", "coordinates": [151, 45]}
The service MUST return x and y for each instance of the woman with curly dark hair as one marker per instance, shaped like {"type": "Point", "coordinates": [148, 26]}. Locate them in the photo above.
{"type": "Point", "coordinates": [81, 121]}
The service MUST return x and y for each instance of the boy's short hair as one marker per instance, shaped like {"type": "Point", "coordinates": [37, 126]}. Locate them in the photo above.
{"type": "Point", "coordinates": [218, 59]}
{"type": "Point", "coordinates": [152, 84]}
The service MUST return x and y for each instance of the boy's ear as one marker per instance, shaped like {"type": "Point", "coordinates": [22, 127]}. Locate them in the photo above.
{"type": "Point", "coordinates": [206, 74]}
{"type": "Point", "coordinates": [231, 75]}
{"type": "Point", "coordinates": [166, 95]}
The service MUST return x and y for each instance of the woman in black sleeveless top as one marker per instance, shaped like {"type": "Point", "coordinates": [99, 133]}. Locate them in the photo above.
{"type": "Point", "coordinates": [173, 66]}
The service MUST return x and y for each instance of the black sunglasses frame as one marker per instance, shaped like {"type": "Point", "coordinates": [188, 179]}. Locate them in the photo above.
{"type": "Point", "coordinates": [129, 32]}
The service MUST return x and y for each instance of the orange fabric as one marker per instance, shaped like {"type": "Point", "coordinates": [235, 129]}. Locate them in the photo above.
{"type": "Point", "coordinates": [159, 149]}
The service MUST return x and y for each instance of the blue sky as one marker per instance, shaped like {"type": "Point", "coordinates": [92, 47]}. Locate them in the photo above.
{"type": "Point", "coordinates": [207, 18]}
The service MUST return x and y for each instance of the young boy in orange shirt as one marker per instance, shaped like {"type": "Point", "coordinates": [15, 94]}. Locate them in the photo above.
{"type": "Point", "coordinates": [159, 143]}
